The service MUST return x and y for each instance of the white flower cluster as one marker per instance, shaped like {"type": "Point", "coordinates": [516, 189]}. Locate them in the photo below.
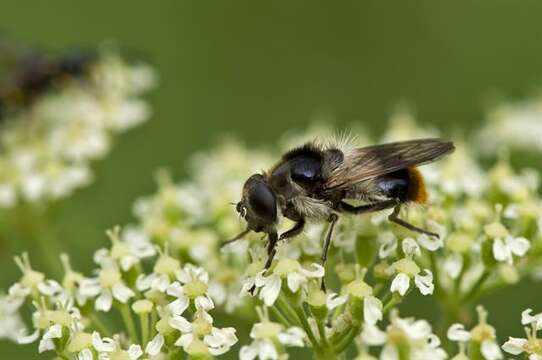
{"type": "Point", "coordinates": [516, 125]}
{"type": "Point", "coordinates": [480, 340]}
{"type": "Point", "coordinates": [48, 146]}
{"type": "Point", "coordinates": [171, 304]}
{"type": "Point", "coordinates": [489, 222]}
{"type": "Point", "coordinates": [530, 346]}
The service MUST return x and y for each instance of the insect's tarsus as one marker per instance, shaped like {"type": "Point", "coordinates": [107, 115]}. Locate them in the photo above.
{"type": "Point", "coordinates": [394, 217]}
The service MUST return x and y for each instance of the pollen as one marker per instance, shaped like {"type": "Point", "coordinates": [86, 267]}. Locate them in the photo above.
{"type": "Point", "coordinates": [417, 191]}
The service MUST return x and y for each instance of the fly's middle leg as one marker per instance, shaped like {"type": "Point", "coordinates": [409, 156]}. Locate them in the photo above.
{"type": "Point", "coordinates": [333, 218]}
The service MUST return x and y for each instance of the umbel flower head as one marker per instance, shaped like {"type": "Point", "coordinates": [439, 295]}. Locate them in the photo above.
{"type": "Point", "coordinates": [48, 143]}
{"type": "Point", "coordinates": [170, 318]}
{"type": "Point", "coordinates": [169, 279]}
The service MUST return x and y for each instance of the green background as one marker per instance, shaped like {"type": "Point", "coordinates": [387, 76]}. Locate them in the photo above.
{"type": "Point", "coordinates": [257, 69]}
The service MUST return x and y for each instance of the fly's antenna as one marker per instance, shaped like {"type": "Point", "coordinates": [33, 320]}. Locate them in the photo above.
{"type": "Point", "coordinates": [237, 237]}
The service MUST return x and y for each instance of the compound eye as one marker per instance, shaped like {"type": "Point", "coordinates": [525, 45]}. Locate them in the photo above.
{"type": "Point", "coordinates": [263, 202]}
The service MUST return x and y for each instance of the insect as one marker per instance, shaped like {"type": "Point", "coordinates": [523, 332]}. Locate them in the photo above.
{"type": "Point", "coordinates": [312, 182]}
{"type": "Point", "coordinates": [32, 72]}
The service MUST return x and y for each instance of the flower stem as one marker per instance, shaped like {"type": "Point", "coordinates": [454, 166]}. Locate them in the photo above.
{"type": "Point", "coordinates": [99, 325]}
{"type": "Point", "coordinates": [128, 322]}
{"type": "Point", "coordinates": [281, 318]}
{"type": "Point", "coordinates": [391, 303]}
{"type": "Point", "coordinates": [153, 324]}
{"type": "Point", "coordinates": [144, 322]}
{"type": "Point", "coordinates": [287, 311]}
{"type": "Point", "coordinates": [322, 333]}
{"type": "Point", "coordinates": [476, 287]}
{"type": "Point", "coordinates": [346, 339]}
{"type": "Point", "coordinates": [303, 319]}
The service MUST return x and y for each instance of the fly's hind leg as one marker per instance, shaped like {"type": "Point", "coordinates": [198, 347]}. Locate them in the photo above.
{"type": "Point", "coordinates": [333, 218]}
{"type": "Point", "coordinates": [394, 217]}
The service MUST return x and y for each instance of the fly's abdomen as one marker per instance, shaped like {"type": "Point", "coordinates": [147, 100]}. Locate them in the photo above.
{"type": "Point", "coordinates": [404, 185]}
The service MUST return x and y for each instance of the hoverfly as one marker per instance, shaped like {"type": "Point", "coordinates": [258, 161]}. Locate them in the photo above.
{"type": "Point", "coordinates": [312, 182]}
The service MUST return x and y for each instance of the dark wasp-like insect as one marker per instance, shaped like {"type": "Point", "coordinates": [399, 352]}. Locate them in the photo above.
{"type": "Point", "coordinates": [32, 72]}
{"type": "Point", "coordinates": [312, 182]}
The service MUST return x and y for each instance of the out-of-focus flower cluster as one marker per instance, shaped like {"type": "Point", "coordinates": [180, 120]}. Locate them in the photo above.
{"type": "Point", "coordinates": [167, 273]}
{"type": "Point", "coordinates": [48, 145]}
{"type": "Point", "coordinates": [516, 125]}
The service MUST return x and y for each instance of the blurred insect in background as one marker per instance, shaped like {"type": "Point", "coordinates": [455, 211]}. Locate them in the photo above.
{"type": "Point", "coordinates": [312, 182]}
{"type": "Point", "coordinates": [28, 73]}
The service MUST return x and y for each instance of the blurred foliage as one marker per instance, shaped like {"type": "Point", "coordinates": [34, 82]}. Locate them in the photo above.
{"type": "Point", "coordinates": [258, 69]}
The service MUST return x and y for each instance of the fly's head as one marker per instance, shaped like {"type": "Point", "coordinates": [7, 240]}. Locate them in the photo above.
{"type": "Point", "coordinates": [258, 205]}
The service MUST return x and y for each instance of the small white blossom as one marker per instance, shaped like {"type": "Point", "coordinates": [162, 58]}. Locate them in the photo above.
{"type": "Point", "coordinates": [504, 249]}
{"type": "Point", "coordinates": [266, 335]}
{"type": "Point", "coordinates": [200, 337]}
{"type": "Point", "coordinates": [289, 270]}
{"type": "Point", "coordinates": [107, 286]}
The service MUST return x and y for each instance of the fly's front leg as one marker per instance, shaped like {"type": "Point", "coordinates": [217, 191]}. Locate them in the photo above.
{"type": "Point", "coordinates": [394, 217]}
{"type": "Point", "coordinates": [294, 231]}
{"type": "Point", "coordinates": [333, 218]}
{"type": "Point", "coordinates": [271, 251]}
{"type": "Point", "coordinates": [237, 237]}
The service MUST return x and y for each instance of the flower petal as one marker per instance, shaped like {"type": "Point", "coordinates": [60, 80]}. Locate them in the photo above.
{"type": "Point", "coordinates": [372, 310]}
{"type": "Point", "coordinates": [400, 284]}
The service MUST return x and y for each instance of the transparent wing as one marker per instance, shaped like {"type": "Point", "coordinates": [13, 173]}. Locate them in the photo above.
{"type": "Point", "coordinates": [368, 162]}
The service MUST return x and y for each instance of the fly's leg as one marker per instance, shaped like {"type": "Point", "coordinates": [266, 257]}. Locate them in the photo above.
{"type": "Point", "coordinates": [271, 251]}
{"type": "Point", "coordinates": [333, 218]}
{"type": "Point", "coordinates": [394, 217]}
{"type": "Point", "coordinates": [294, 231]}
{"type": "Point", "coordinates": [362, 209]}
{"type": "Point", "coordinates": [237, 237]}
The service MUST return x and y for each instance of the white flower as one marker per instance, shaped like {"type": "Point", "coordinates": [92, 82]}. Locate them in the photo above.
{"type": "Point", "coordinates": [164, 273]}
{"type": "Point", "coordinates": [411, 248]}
{"type": "Point", "coordinates": [154, 346]}
{"type": "Point", "coordinates": [491, 351]}
{"type": "Point", "coordinates": [192, 285]}
{"type": "Point", "coordinates": [290, 270]}
{"type": "Point", "coordinates": [49, 324]}
{"type": "Point", "coordinates": [201, 337]}
{"type": "Point", "coordinates": [422, 343]}
{"type": "Point", "coordinates": [515, 346]}
{"type": "Point", "coordinates": [333, 300]}
{"type": "Point", "coordinates": [266, 336]}
{"type": "Point", "coordinates": [11, 323]}
{"type": "Point", "coordinates": [453, 264]}
{"type": "Point", "coordinates": [400, 284]}
{"type": "Point", "coordinates": [407, 269]}
{"type": "Point", "coordinates": [388, 244]}
{"type": "Point", "coordinates": [128, 248]}
{"type": "Point", "coordinates": [425, 282]}
{"type": "Point", "coordinates": [528, 319]}
{"type": "Point", "coordinates": [70, 125]}
{"type": "Point", "coordinates": [372, 310]}
{"type": "Point", "coordinates": [106, 347]}
{"type": "Point", "coordinates": [503, 250]}
{"type": "Point", "coordinates": [107, 286]}
{"type": "Point", "coordinates": [430, 243]}
{"type": "Point", "coordinates": [457, 332]}
{"type": "Point", "coordinates": [531, 345]}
